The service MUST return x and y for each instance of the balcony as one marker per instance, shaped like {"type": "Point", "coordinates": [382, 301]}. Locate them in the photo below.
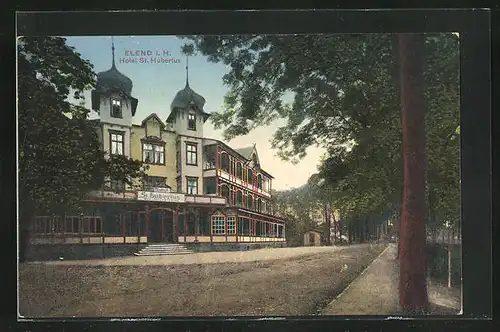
{"type": "Point", "coordinates": [225, 175]}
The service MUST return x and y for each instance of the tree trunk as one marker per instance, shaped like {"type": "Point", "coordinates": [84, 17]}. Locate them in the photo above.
{"type": "Point", "coordinates": [449, 265]}
{"type": "Point", "coordinates": [349, 233]}
{"type": "Point", "coordinates": [412, 281]}
{"type": "Point", "coordinates": [334, 229]}
{"type": "Point", "coordinates": [328, 225]}
{"type": "Point", "coordinates": [339, 226]}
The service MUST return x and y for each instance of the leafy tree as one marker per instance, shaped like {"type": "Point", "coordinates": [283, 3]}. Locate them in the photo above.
{"type": "Point", "coordinates": [296, 206]}
{"type": "Point", "coordinates": [60, 157]}
{"type": "Point", "coordinates": [345, 91]}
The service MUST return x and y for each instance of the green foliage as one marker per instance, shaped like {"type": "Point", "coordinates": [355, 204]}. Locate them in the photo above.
{"type": "Point", "coordinates": [60, 155]}
{"type": "Point", "coordinates": [187, 49]}
{"type": "Point", "coordinates": [345, 91]}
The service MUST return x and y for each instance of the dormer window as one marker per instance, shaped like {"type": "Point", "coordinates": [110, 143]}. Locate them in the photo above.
{"type": "Point", "coordinates": [116, 108]}
{"type": "Point", "coordinates": [192, 121]}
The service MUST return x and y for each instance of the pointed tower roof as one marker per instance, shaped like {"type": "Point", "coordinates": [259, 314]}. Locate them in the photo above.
{"type": "Point", "coordinates": [112, 78]}
{"type": "Point", "coordinates": [187, 97]}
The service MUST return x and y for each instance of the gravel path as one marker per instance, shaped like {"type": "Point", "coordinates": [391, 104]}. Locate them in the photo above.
{"type": "Point", "coordinates": [375, 291]}
{"type": "Point", "coordinates": [204, 257]}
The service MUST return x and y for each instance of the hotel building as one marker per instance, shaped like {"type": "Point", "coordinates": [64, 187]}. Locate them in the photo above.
{"type": "Point", "coordinates": [197, 190]}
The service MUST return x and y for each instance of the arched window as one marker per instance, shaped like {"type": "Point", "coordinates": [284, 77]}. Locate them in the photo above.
{"type": "Point", "coordinates": [250, 176]}
{"type": "Point", "coordinates": [259, 181]}
{"type": "Point", "coordinates": [250, 202]}
{"type": "Point", "coordinates": [239, 171]}
{"type": "Point", "coordinates": [239, 198]}
{"type": "Point", "coordinates": [259, 204]}
{"type": "Point", "coordinates": [225, 192]}
{"type": "Point", "coordinates": [224, 162]}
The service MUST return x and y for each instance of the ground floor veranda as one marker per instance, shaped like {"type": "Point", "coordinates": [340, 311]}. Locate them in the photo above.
{"type": "Point", "coordinates": [139, 222]}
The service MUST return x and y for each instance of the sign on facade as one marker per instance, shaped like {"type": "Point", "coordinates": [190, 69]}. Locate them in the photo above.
{"type": "Point", "coordinates": [162, 190]}
{"type": "Point", "coordinates": [160, 197]}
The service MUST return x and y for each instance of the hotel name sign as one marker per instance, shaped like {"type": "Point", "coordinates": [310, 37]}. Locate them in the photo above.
{"type": "Point", "coordinates": [160, 197]}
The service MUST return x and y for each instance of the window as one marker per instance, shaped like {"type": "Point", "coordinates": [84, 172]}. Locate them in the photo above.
{"type": "Point", "coordinates": [116, 108]}
{"type": "Point", "coordinates": [153, 153]}
{"type": "Point", "coordinates": [225, 192]}
{"type": "Point", "coordinates": [218, 225]}
{"type": "Point", "coordinates": [191, 154]}
{"type": "Point", "coordinates": [231, 225]}
{"type": "Point", "coordinates": [239, 171]}
{"type": "Point", "coordinates": [191, 121]}
{"type": "Point", "coordinates": [224, 162]}
{"type": "Point", "coordinates": [209, 184]}
{"type": "Point", "coordinates": [116, 143]}
{"type": "Point", "coordinates": [192, 186]}
{"type": "Point", "coordinates": [250, 202]}
{"type": "Point", "coordinates": [150, 182]}
{"type": "Point", "coordinates": [239, 198]}
{"type": "Point", "coordinates": [249, 180]}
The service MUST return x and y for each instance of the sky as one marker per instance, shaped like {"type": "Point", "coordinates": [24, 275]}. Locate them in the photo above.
{"type": "Point", "coordinates": [155, 85]}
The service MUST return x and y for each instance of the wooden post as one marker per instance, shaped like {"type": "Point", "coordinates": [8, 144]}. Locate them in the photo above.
{"type": "Point", "coordinates": [174, 224]}
{"type": "Point", "coordinates": [236, 227]}
{"type": "Point", "coordinates": [102, 233]}
{"type": "Point", "coordinates": [185, 223]}
{"type": "Point", "coordinates": [147, 220]}
{"type": "Point", "coordinates": [138, 227]}
{"type": "Point", "coordinates": [162, 222]}
{"type": "Point", "coordinates": [124, 226]}
{"type": "Point", "coordinates": [211, 229]}
{"type": "Point", "coordinates": [217, 170]}
{"type": "Point", "coordinates": [196, 225]}
{"type": "Point", "coordinates": [225, 223]}
{"type": "Point", "coordinates": [80, 227]}
{"type": "Point", "coordinates": [449, 265]}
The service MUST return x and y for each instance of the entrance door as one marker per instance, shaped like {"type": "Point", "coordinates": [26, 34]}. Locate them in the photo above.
{"type": "Point", "coordinates": [155, 226]}
{"type": "Point", "coordinates": [312, 239]}
{"type": "Point", "coordinates": [161, 226]}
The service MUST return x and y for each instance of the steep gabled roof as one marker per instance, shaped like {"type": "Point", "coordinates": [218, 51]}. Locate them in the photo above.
{"type": "Point", "coordinates": [153, 116]}
{"type": "Point", "coordinates": [246, 152]}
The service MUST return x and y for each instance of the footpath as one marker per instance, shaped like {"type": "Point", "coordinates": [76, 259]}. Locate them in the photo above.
{"type": "Point", "coordinates": [375, 291]}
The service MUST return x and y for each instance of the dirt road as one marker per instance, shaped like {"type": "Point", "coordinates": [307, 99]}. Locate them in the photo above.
{"type": "Point", "coordinates": [297, 285]}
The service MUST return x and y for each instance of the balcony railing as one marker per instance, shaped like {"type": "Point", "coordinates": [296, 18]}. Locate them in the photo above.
{"type": "Point", "coordinates": [246, 185]}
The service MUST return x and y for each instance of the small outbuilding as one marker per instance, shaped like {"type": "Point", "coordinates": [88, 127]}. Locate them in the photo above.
{"type": "Point", "coordinates": [312, 238]}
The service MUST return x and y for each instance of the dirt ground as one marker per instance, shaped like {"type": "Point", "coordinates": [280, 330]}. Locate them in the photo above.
{"type": "Point", "coordinates": [203, 257]}
{"type": "Point", "coordinates": [276, 286]}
